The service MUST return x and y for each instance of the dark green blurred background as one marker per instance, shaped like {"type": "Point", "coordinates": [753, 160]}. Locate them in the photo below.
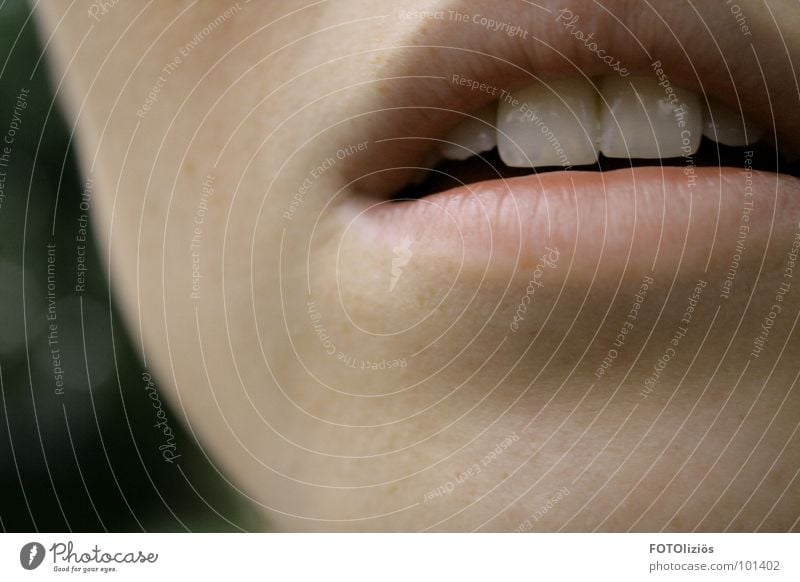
{"type": "Point", "coordinates": [87, 459]}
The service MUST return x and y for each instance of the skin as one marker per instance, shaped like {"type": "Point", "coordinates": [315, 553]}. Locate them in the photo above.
{"type": "Point", "coordinates": [517, 434]}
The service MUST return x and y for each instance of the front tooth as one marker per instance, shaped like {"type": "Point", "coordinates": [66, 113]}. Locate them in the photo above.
{"type": "Point", "coordinates": [640, 119]}
{"type": "Point", "coordinates": [724, 125]}
{"type": "Point", "coordinates": [550, 124]}
{"type": "Point", "coordinates": [472, 136]}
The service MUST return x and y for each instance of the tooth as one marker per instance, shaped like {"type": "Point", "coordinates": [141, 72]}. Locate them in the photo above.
{"type": "Point", "coordinates": [640, 119]}
{"type": "Point", "coordinates": [472, 136]}
{"type": "Point", "coordinates": [549, 124]}
{"type": "Point", "coordinates": [724, 125]}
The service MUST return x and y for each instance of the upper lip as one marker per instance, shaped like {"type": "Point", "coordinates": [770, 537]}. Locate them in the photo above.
{"type": "Point", "coordinates": [418, 102]}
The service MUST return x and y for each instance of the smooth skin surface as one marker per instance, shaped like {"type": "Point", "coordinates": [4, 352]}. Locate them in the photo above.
{"type": "Point", "coordinates": [262, 296]}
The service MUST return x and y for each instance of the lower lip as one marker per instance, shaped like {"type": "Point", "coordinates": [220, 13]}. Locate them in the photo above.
{"type": "Point", "coordinates": [633, 217]}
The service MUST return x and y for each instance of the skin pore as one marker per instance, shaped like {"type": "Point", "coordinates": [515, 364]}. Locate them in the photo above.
{"type": "Point", "coordinates": [351, 363]}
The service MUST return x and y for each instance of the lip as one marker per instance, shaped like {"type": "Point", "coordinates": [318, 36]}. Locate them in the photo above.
{"type": "Point", "coordinates": [634, 218]}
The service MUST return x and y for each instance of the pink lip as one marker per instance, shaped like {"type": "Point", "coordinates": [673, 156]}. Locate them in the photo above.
{"type": "Point", "coordinates": [633, 218]}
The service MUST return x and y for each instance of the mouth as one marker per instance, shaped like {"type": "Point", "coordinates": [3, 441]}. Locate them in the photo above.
{"type": "Point", "coordinates": [499, 141]}
{"type": "Point", "coordinates": [609, 124]}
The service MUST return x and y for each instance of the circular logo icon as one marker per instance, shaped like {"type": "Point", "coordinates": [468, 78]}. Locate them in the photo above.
{"type": "Point", "coordinates": [31, 555]}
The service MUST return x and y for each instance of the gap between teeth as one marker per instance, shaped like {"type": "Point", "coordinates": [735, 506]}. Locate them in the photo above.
{"type": "Point", "coordinates": [570, 121]}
